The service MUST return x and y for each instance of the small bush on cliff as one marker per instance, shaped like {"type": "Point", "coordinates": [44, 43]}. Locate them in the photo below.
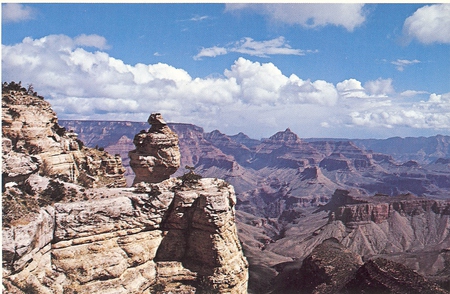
{"type": "Point", "coordinates": [13, 86]}
{"type": "Point", "coordinates": [17, 87]}
{"type": "Point", "coordinates": [54, 192]}
{"type": "Point", "coordinates": [190, 178]}
{"type": "Point", "coordinates": [17, 207]}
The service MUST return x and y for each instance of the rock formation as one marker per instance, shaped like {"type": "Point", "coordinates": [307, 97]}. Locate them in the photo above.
{"type": "Point", "coordinates": [384, 276]}
{"type": "Point", "coordinates": [332, 268]}
{"type": "Point", "coordinates": [175, 236]}
{"type": "Point", "coordinates": [157, 155]}
{"type": "Point", "coordinates": [34, 142]}
{"type": "Point", "coordinates": [281, 181]}
{"type": "Point", "coordinates": [328, 268]}
{"type": "Point", "coordinates": [165, 238]}
{"type": "Point", "coordinates": [407, 229]}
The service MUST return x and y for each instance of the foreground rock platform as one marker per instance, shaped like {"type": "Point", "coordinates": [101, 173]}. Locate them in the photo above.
{"type": "Point", "coordinates": [157, 238]}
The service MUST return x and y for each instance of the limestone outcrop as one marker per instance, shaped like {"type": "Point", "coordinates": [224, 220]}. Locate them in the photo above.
{"type": "Point", "coordinates": [162, 238]}
{"type": "Point", "coordinates": [69, 226]}
{"type": "Point", "coordinates": [157, 154]}
{"type": "Point", "coordinates": [34, 142]}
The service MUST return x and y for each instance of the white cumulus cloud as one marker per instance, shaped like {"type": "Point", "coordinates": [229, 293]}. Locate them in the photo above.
{"type": "Point", "coordinates": [94, 85]}
{"type": "Point", "coordinates": [352, 88]}
{"type": "Point", "coordinates": [348, 15]}
{"type": "Point", "coordinates": [91, 41]}
{"type": "Point", "coordinates": [380, 87]}
{"type": "Point", "coordinates": [15, 12]}
{"type": "Point", "coordinates": [429, 24]}
{"type": "Point", "coordinates": [253, 97]}
{"type": "Point", "coordinates": [431, 114]}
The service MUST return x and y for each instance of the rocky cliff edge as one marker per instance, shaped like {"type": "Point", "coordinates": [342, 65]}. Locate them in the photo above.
{"type": "Point", "coordinates": [67, 231]}
{"type": "Point", "coordinates": [165, 237]}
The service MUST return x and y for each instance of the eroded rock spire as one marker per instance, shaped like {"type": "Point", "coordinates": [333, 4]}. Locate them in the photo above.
{"type": "Point", "coordinates": [157, 154]}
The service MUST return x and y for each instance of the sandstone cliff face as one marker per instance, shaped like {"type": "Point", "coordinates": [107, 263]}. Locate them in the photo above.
{"type": "Point", "coordinates": [170, 239]}
{"type": "Point", "coordinates": [157, 155]}
{"type": "Point", "coordinates": [349, 207]}
{"type": "Point", "coordinates": [34, 142]}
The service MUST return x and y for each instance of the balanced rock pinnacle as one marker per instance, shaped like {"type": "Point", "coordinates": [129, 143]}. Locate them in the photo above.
{"type": "Point", "coordinates": [157, 154]}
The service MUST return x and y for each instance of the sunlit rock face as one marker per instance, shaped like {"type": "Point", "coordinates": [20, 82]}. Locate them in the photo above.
{"type": "Point", "coordinates": [160, 238]}
{"type": "Point", "coordinates": [72, 229]}
{"type": "Point", "coordinates": [157, 154]}
{"type": "Point", "coordinates": [34, 142]}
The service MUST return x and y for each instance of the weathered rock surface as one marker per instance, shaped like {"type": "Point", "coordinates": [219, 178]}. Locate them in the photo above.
{"type": "Point", "coordinates": [328, 268]}
{"type": "Point", "coordinates": [333, 268]}
{"type": "Point", "coordinates": [177, 236]}
{"type": "Point", "coordinates": [167, 238]}
{"type": "Point", "coordinates": [16, 167]}
{"type": "Point", "coordinates": [384, 276]}
{"type": "Point", "coordinates": [157, 155]}
{"type": "Point", "coordinates": [34, 142]}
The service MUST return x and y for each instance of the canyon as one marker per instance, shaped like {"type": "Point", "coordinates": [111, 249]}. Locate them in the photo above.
{"type": "Point", "coordinates": [276, 215]}
{"type": "Point", "coordinates": [286, 186]}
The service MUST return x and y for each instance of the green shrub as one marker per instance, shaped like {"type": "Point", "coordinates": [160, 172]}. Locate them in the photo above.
{"type": "Point", "coordinates": [190, 178]}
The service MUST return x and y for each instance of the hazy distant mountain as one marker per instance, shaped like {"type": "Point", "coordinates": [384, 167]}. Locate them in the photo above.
{"type": "Point", "coordinates": [420, 149]}
{"type": "Point", "coordinates": [312, 168]}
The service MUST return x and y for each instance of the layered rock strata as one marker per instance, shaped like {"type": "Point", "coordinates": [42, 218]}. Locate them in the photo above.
{"type": "Point", "coordinates": [157, 154]}
{"type": "Point", "coordinates": [176, 236]}
{"type": "Point", "coordinates": [406, 228]}
{"type": "Point", "coordinates": [167, 238]}
{"type": "Point", "coordinates": [34, 142]}
{"type": "Point", "coordinates": [384, 276]}
{"type": "Point", "coordinates": [351, 209]}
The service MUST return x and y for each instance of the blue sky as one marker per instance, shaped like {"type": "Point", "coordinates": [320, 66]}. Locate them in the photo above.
{"type": "Point", "coordinates": [324, 70]}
